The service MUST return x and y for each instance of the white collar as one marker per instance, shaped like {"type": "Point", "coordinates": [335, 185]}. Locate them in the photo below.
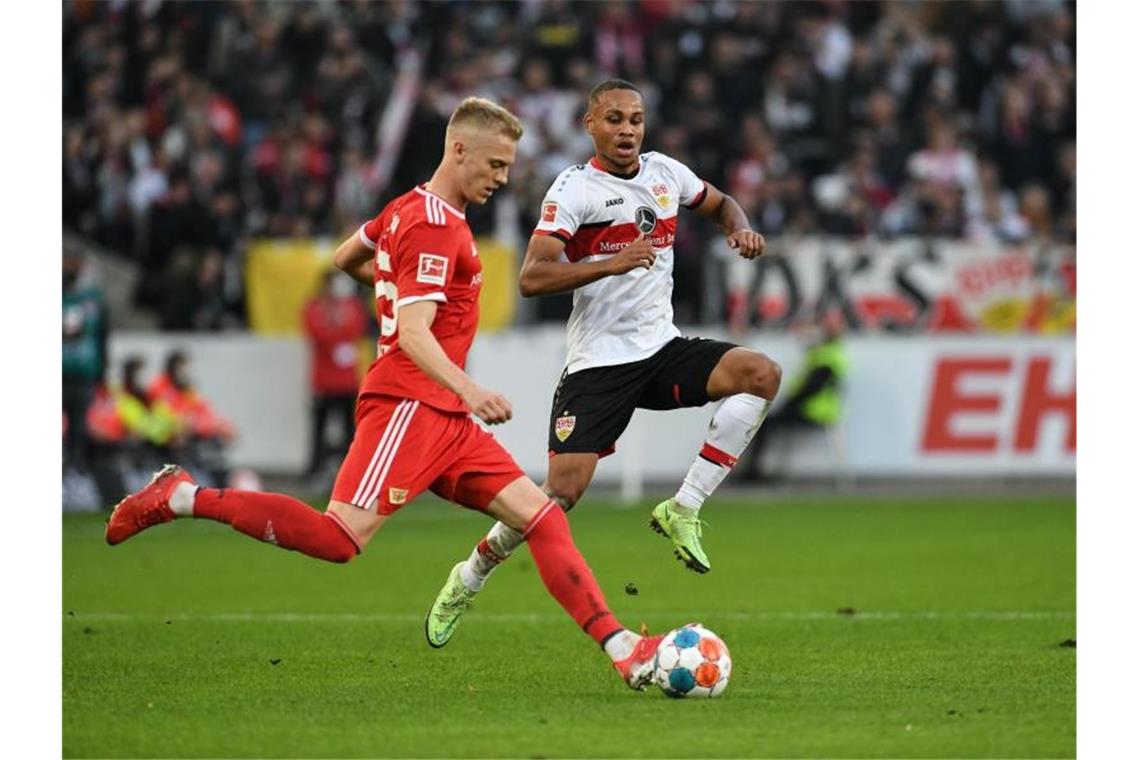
{"type": "Point", "coordinates": [422, 190]}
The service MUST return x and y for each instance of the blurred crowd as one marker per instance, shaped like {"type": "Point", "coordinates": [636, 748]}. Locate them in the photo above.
{"type": "Point", "coordinates": [189, 127]}
{"type": "Point", "coordinates": [118, 424]}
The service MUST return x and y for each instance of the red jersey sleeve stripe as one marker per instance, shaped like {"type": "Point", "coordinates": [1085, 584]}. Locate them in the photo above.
{"type": "Point", "coordinates": [700, 197]}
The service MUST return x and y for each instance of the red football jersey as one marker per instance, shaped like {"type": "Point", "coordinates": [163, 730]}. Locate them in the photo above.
{"type": "Point", "coordinates": [335, 327]}
{"type": "Point", "coordinates": [424, 252]}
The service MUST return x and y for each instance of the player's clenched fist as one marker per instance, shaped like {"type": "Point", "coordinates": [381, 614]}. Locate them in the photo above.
{"type": "Point", "coordinates": [639, 253]}
{"type": "Point", "coordinates": [493, 408]}
{"type": "Point", "coordinates": [747, 243]}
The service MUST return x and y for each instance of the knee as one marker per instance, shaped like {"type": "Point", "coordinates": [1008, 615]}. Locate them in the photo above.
{"type": "Point", "coordinates": [764, 377]}
{"type": "Point", "coordinates": [341, 555]}
{"type": "Point", "coordinates": [336, 541]}
{"type": "Point", "coordinates": [565, 491]}
{"type": "Point", "coordinates": [338, 549]}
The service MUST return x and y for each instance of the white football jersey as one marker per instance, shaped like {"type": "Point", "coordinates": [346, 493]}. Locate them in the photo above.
{"type": "Point", "coordinates": [626, 317]}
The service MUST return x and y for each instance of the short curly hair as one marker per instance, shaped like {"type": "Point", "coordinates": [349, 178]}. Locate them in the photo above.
{"type": "Point", "coordinates": [612, 84]}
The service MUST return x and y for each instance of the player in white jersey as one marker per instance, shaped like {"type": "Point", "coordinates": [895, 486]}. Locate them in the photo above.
{"type": "Point", "coordinates": [606, 231]}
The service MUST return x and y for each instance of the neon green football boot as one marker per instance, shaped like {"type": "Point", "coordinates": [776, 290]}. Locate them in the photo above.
{"type": "Point", "coordinates": [683, 528]}
{"type": "Point", "coordinates": [443, 617]}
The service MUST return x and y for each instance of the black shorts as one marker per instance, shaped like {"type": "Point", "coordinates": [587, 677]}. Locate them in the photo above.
{"type": "Point", "coordinates": [592, 407]}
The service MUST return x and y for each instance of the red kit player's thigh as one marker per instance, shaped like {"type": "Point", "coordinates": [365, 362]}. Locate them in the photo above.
{"type": "Point", "coordinates": [398, 450]}
{"type": "Point", "coordinates": [482, 469]}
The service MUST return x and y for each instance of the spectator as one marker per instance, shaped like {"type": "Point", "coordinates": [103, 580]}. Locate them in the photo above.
{"type": "Point", "coordinates": [945, 177]}
{"type": "Point", "coordinates": [789, 100]}
{"type": "Point", "coordinates": [194, 288]}
{"type": "Point", "coordinates": [196, 416]}
{"type": "Point", "coordinates": [992, 213]}
{"type": "Point", "coordinates": [944, 164]}
{"type": "Point", "coordinates": [1065, 192]}
{"type": "Point", "coordinates": [356, 189]}
{"type": "Point", "coordinates": [335, 322]}
{"type": "Point", "coordinates": [84, 355]}
{"type": "Point", "coordinates": [890, 140]}
{"type": "Point", "coordinates": [177, 222]}
{"type": "Point", "coordinates": [153, 425]}
{"type": "Point", "coordinates": [202, 124]}
{"type": "Point", "coordinates": [205, 434]}
{"type": "Point", "coordinates": [814, 400]}
{"type": "Point", "coordinates": [1015, 146]}
{"type": "Point", "coordinates": [618, 41]}
{"type": "Point", "coordinates": [1033, 205]}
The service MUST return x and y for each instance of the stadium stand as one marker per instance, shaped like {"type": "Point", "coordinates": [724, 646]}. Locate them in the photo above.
{"type": "Point", "coordinates": [192, 127]}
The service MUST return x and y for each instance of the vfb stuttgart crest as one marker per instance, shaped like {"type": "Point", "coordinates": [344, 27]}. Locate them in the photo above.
{"type": "Point", "coordinates": [564, 426]}
{"type": "Point", "coordinates": [645, 219]}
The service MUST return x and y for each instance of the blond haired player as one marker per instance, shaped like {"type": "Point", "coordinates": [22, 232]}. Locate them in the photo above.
{"type": "Point", "coordinates": [414, 430]}
{"type": "Point", "coordinates": [606, 232]}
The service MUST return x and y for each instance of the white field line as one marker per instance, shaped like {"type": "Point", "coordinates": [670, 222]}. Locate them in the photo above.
{"type": "Point", "coordinates": [539, 617]}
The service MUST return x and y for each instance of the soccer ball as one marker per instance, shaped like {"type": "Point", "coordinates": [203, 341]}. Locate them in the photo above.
{"type": "Point", "coordinates": [692, 662]}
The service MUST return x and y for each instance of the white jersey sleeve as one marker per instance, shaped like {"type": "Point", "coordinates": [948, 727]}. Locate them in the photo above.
{"type": "Point", "coordinates": [692, 188]}
{"type": "Point", "coordinates": [565, 206]}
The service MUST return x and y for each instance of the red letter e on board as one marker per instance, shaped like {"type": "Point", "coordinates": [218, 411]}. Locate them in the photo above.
{"type": "Point", "coordinates": [947, 400]}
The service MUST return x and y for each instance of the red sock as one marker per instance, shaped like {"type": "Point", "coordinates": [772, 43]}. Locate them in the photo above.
{"type": "Point", "coordinates": [278, 519]}
{"type": "Point", "coordinates": [567, 576]}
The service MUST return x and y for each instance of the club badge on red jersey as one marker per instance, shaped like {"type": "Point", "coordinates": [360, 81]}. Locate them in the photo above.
{"type": "Point", "coordinates": [433, 269]}
{"type": "Point", "coordinates": [549, 211]}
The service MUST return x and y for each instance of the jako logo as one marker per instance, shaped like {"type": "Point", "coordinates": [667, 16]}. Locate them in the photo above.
{"type": "Point", "coordinates": [614, 202]}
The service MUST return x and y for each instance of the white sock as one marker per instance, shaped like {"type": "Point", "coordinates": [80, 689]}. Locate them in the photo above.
{"type": "Point", "coordinates": [621, 644]}
{"type": "Point", "coordinates": [182, 499]}
{"type": "Point", "coordinates": [470, 579]}
{"type": "Point", "coordinates": [499, 543]}
{"type": "Point", "coordinates": [730, 431]}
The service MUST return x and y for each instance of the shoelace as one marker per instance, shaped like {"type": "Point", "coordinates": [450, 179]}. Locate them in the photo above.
{"type": "Point", "coordinates": [694, 521]}
{"type": "Point", "coordinates": [647, 650]}
{"type": "Point", "coordinates": [463, 598]}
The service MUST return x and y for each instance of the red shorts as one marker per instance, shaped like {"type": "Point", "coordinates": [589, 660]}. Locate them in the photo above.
{"type": "Point", "coordinates": [403, 448]}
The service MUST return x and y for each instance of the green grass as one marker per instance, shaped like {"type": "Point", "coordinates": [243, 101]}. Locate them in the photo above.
{"type": "Point", "coordinates": [954, 649]}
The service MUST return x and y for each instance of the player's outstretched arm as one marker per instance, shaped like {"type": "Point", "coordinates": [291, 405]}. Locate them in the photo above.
{"type": "Point", "coordinates": [727, 214]}
{"type": "Point", "coordinates": [356, 260]}
{"type": "Point", "coordinates": [543, 274]}
{"type": "Point", "coordinates": [417, 341]}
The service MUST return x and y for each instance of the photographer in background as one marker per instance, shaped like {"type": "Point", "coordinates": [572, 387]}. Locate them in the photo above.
{"type": "Point", "coordinates": [815, 399]}
{"type": "Point", "coordinates": [334, 322]}
{"type": "Point", "coordinates": [206, 433]}
{"type": "Point", "coordinates": [84, 357]}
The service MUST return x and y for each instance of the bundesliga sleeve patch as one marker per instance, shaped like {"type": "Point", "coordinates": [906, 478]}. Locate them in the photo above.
{"type": "Point", "coordinates": [549, 211]}
{"type": "Point", "coordinates": [433, 269]}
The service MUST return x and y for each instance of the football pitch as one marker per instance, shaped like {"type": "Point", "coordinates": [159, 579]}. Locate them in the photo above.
{"type": "Point", "coordinates": [859, 627]}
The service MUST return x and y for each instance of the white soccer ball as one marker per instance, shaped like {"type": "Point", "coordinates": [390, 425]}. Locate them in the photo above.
{"type": "Point", "coordinates": [692, 661]}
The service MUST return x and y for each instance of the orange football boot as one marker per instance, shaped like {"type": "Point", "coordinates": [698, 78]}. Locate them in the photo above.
{"type": "Point", "coordinates": [147, 506]}
{"type": "Point", "coordinates": [637, 669]}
